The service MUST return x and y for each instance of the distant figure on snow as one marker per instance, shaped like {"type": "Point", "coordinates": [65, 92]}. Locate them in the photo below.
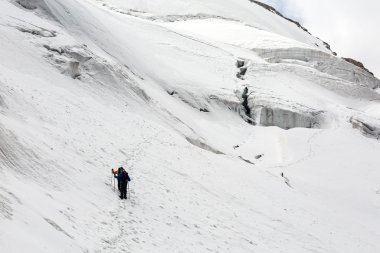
{"type": "Point", "coordinates": [117, 173]}
{"type": "Point", "coordinates": [122, 182]}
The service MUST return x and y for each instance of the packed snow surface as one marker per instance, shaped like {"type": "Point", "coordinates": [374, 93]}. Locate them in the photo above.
{"type": "Point", "coordinates": [241, 132]}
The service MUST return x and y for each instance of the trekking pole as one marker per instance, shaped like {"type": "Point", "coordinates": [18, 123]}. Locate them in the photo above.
{"type": "Point", "coordinates": [128, 192]}
{"type": "Point", "coordinates": [111, 180]}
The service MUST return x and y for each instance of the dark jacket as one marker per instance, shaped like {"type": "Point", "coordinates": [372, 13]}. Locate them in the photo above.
{"type": "Point", "coordinates": [123, 177]}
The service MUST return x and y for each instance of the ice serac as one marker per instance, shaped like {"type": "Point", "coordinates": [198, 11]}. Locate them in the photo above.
{"type": "Point", "coordinates": [323, 62]}
{"type": "Point", "coordinates": [236, 125]}
{"type": "Point", "coordinates": [285, 118]}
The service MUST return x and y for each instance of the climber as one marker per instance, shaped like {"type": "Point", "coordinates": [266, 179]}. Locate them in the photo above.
{"type": "Point", "coordinates": [117, 173]}
{"type": "Point", "coordinates": [123, 179]}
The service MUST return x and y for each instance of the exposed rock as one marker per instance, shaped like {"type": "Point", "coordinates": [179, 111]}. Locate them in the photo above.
{"type": "Point", "coordinates": [259, 156]}
{"type": "Point", "coordinates": [327, 45]}
{"type": "Point", "coordinates": [365, 128]}
{"type": "Point", "coordinates": [273, 10]}
{"type": "Point", "coordinates": [357, 63]}
{"type": "Point", "coordinates": [204, 110]}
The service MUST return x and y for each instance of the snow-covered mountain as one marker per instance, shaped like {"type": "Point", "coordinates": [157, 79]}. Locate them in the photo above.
{"type": "Point", "coordinates": [241, 131]}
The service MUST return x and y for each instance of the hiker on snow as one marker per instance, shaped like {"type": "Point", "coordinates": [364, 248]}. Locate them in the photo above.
{"type": "Point", "coordinates": [117, 173]}
{"type": "Point", "coordinates": [123, 179]}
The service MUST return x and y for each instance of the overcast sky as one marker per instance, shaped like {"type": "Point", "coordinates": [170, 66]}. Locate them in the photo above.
{"type": "Point", "coordinates": [351, 27]}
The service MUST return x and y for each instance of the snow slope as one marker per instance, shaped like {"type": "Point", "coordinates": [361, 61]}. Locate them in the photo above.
{"type": "Point", "coordinates": [241, 132]}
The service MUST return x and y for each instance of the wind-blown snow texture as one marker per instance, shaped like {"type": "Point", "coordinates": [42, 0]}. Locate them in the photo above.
{"type": "Point", "coordinates": [241, 131]}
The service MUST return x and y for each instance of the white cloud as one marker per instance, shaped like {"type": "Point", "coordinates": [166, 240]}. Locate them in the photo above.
{"type": "Point", "coordinates": [350, 26]}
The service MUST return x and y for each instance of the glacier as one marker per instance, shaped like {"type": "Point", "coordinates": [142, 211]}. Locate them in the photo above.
{"type": "Point", "coordinates": [241, 131]}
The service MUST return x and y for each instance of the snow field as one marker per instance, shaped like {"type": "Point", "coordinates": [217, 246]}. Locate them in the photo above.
{"type": "Point", "coordinates": [135, 100]}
